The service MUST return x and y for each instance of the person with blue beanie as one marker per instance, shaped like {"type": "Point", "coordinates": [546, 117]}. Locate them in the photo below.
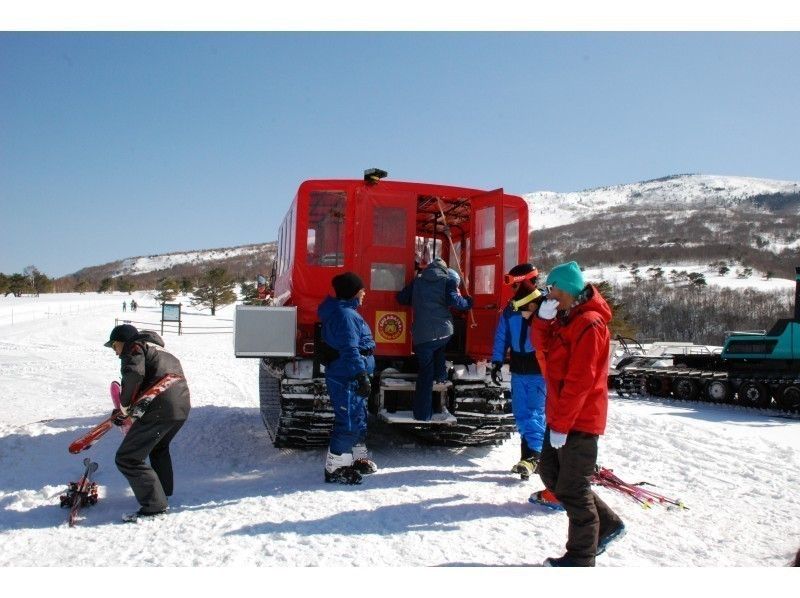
{"type": "Point", "coordinates": [349, 347]}
{"type": "Point", "coordinates": [527, 384]}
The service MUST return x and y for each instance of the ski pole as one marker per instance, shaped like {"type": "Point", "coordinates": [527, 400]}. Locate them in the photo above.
{"type": "Point", "coordinates": [464, 279]}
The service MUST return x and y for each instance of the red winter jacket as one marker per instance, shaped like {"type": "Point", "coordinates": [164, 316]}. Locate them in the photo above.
{"type": "Point", "coordinates": [576, 353]}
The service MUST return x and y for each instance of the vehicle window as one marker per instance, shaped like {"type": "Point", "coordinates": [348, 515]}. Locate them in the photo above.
{"type": "Point", "coordinates": [325, 243]}
{"type": "Point", "coordinates": [387, 277]}
{"type": "Point", "coordinates": [484, 279]}
{"type": "Point", "coordinates": [484, 228]}
{"type": "Point", "coordinates": [511, 235]}
{"type": "Point", "coordinates": [389, 227]}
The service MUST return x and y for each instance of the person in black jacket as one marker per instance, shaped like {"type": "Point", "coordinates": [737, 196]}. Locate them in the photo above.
{"type": "Point", "coordinates": [143, 362]}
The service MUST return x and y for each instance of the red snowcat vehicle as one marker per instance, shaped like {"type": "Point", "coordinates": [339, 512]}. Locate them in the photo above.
{"type": "Point", "coordinates": [384, 230]}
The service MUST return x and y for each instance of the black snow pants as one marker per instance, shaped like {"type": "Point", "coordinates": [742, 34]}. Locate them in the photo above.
{"type": "Point", "coordinates": [567, 472]}
{"type": "Point", "coordinates": [149, 437]}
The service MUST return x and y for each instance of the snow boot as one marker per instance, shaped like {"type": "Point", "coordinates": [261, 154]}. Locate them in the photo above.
{"type": "Point", "coordinates": [361, 461]}
{"type": "Point", "coordinates": [140, 514]}
{"type": "Point", "coordinates": [339, 469]}
{"type": "Point", "coordinates": [527, 466]}
{"type": "Point", "coordinates": [608, 537]}
{"type": "Point", "coordinates": [546, 499]}
{"type": "Point", "coordinates": [566, 561]}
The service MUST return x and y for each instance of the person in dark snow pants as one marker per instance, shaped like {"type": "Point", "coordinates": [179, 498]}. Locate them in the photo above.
{"type": "Point", "coordinates": [571, 332]}
{"type": "Point", "coordinates": [143, 362]}
{"type": "Point", "coordinates": [431, 295]}
{"type": "Point", "coordinates": [350, 347]}
{"type": "Point", "coordinates": [527, 384]}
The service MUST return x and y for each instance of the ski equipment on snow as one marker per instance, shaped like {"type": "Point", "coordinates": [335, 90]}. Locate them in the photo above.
{"type": "Point", "coordinates": [646, 498]}
{"type": "Point", "coordinates": [546, 499]}
{"type": "Point", "coordinates": [81, 493]}
{"type": "Point", "coordinates": [137, 409]}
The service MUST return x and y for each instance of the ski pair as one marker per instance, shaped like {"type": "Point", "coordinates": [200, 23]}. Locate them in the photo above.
{"type": "Point", "coordinates": [81, 493]}
{"type": "Point", "coordinates": [646, 498]}
{"type": "Point", "coordinates": [141, 402]}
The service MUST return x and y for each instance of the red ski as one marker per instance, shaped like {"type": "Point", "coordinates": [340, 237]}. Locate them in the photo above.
{"type": "Point", "coordinates": [80, 493]}
{"type": "Point", "coordinates": [93, 435]}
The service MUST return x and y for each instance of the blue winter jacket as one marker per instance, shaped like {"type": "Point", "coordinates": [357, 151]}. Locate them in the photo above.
{"type": "Point", "coordinates": [345, 330]}
{"type": "Point", "coordinates": [514, 332]}
{"type": "Point", "coordinates": [432, 294]}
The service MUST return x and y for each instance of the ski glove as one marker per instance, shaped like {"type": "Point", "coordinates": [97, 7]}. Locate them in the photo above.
{"type": "Point", "coordinates": [364, 387]}
{"type": "Point", "coordinates": [557, 439]}
{"type": "Point", "coordinates": [118, 417]}
{"type": "Point", "coordinates": [497, 375]}
{"type": "Point", "coordinates": [548, 309]}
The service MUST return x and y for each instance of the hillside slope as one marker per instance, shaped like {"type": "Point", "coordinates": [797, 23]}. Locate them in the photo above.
{"type": "Point", "coordinates": [682, 219]}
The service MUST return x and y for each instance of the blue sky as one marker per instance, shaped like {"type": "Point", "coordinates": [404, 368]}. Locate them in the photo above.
{"type": "Point", "coordinates": [115, 145]}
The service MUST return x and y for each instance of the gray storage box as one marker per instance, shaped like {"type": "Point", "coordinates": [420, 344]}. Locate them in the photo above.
{"type": "Point", "coordinates": [264, 331]}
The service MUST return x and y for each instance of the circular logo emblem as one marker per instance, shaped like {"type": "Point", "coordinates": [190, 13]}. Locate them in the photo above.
{"type": "Point", "coordinates": [390, 326]}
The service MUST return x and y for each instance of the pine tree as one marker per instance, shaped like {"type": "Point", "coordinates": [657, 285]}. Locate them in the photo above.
{"type": "Point", "coordinates": [167, 289]}
{"type": "Point", "coordinates": [125, 285]}
{"type": "Point", "coordinates": [619, 324]}
{"type": "Point", "coordinates": [4, 284]}
{"type": "Point", "coordinates": [81, 287]}
{"type": "Point", "coordinates": [187, 285]}
{"type": "Point", "coordinates": [215, 289]}
{"type": "Point", "coordinates": [106, 285]}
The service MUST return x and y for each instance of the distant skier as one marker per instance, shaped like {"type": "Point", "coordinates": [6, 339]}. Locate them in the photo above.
{"type": "Point", "coordinates": [134, 305]}
{"type": "Point", "coordinates": [571, 332]}
{"type": "Point", "coordinates": [143, 362]}
{"type": "Point", "coordinates": [124, 306]}
{"type": "Point", "coordinates": [527, 384]}
{"type": "Point", "coordinates": [349, 361]}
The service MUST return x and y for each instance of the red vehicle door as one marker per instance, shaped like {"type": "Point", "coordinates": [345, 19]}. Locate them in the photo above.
{"type": "Point", "coordinates": [385, 229]}
{"type": "Point", "coordinates": [485, 271]}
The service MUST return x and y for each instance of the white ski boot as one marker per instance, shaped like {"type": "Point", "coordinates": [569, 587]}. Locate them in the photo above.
{"type": "Point", "coordinates": [361, 461]}
{"type": "Point", "coordinates": [339, 469]}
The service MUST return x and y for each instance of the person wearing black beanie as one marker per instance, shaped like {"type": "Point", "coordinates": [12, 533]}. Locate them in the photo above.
{"type": "Point", "coordinates": [346, 351]}
{"type": "Point", "coordinates": [347, 285]}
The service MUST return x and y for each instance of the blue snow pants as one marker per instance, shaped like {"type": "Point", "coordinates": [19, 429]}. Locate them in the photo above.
{"type": "Point", "coordinates": [349, 414]}
{"type": "Point", "coordinates": [528, 393]}
{"type": "Point", "coordinates": [432, 366]}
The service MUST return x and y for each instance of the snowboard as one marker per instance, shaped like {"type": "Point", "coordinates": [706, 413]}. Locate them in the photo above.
{"type": "Point", "coordinates": [137, 407]}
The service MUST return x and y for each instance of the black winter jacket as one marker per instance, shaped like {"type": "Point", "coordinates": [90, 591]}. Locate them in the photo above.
{"type": "Point", "coordinates": [144, 362]}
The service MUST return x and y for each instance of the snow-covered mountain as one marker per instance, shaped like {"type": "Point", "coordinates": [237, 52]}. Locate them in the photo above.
{"type": "Point", "coordinates": [680, 192]}
{"type": "Point", "coordinates": [680, 219]}
{"type": "Point", "coordinates": [245, 260]}
{"type": "Point", "coordinates": [144, 264]}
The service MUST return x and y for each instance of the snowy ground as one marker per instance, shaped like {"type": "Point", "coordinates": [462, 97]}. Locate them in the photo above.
{"type": "Point", "coordinates": [241, 502]}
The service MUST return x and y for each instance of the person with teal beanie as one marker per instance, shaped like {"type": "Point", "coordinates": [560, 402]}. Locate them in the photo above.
{"type": "Point", "coordinates": [567, 277]}
{"type": "Point", "coordinates": [571, 332]}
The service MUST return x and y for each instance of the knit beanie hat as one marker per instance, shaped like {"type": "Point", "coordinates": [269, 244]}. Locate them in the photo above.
{"type": "Point", "coordinates": [567, 277]}
{"type": "Point", "coordinates": [347, 285]}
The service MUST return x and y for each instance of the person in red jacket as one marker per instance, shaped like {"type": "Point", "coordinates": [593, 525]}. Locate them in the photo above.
{"type": "Point", "coordinates": [571, 332]}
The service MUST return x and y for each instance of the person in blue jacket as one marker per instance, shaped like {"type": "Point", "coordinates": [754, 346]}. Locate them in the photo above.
{"type": "Point", "coordinates": [348, 347]}
{"type": "Point", "coordinates": [527, 384]}
{"type": "Point", "coordinates": [431, 295]}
